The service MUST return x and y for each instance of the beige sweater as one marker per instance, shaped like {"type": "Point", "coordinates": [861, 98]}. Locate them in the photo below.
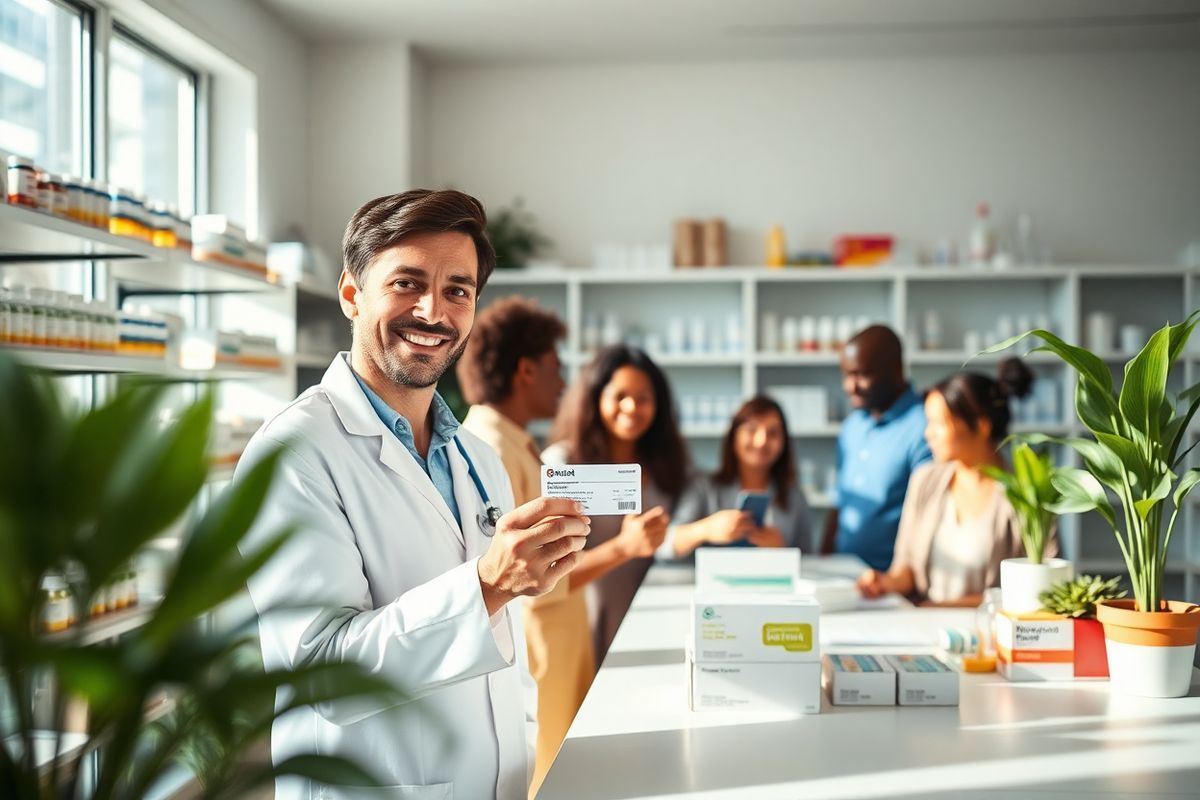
{"type": "Point", "coordinates": [924, 508]}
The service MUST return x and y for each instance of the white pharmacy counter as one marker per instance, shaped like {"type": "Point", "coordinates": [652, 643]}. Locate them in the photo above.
{"type": "Point", "coordinates": [636, 738]}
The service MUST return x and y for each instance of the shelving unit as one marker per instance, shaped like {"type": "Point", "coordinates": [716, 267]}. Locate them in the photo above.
{"type": "Point", "coordinates": [40, 250]}
{"type": "Point", "coordinates": [964, 298]}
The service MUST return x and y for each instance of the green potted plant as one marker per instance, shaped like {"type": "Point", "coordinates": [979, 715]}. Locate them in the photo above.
{"type": "Point", "coordinates": [1132, 478]}
{"type": "Point", "coordinates": [80, 496]}
{"type": "Point", "coordinates": [514, 236]}
{"type": "Point", "coordinates": [1031, 493]}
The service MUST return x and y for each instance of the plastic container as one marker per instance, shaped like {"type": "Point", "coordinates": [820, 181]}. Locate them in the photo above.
{"type": "Point", "coordinates": [23, 183]}
{"type": "Point", "coordinates": [124, 216]}
{"type": "Point", "coordinates": [77, 199]}
{"type": "Point", "coordinates": [57, 604]}
{"type": "Point", "coordinates": [162, 226]}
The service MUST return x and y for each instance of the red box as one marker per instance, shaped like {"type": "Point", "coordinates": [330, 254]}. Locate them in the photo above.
{"type": "Point", "coordinates": [1050, 647]}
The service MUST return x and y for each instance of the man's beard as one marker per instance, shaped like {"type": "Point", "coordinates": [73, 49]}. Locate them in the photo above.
{"type": "Point", "coordinates": [420, 370]}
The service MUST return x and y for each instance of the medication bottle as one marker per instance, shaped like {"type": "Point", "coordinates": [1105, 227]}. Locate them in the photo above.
{"type": "Point", "coordinates": [162, 226]}
{"type": "Point", "coordinates": [57, 604]}
{"type": "Point", "coordinates": [123, 217]}
{"type": "Point", "coordinates": [22, 182]}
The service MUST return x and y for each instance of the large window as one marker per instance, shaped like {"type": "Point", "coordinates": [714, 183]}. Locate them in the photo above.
{"type": "Point", "coordinates": [151, 122]}
{"type": "Point", "coordinates": [42, 49]}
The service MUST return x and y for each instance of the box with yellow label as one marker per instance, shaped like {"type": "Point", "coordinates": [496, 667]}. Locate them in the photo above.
{"type": "Point", "coordinates": [758, 628]}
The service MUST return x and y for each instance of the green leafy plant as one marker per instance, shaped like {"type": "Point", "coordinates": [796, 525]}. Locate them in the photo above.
{"type": "Point", "coordinates": [1032, 493]}
{"type": "Point", "coordinates": [1135, 452]}
{"type": "Point", "coordinates": [1078, 598]}
{"type": "Point", "coordinates": [81, 494]}
{"type": "Point", "coordinates": [514, 235]}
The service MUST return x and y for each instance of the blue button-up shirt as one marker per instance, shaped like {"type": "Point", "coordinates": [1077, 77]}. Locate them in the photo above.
{"type": "Point", "coordinates": [445, 425]}
{"type": "Point", "coordinates": [875, 458]}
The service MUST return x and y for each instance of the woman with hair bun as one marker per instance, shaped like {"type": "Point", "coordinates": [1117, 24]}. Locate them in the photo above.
{"type": "Point", "coordinates": [957, 525]}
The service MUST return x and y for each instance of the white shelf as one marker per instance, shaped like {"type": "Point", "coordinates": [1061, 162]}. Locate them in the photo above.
{"type": "Point", "coordinates": [829, 431]}
{"type": "Point", "coordinates": [29, 237]}
{"type": "Point", "coordinates": [84, 361]}
{"type": "Point", "coordinates": [108, 626]}
{"type": "Point", "coordinates": [961, 358]}
{"type": "Point", "coordinates": [732, 274]}
{"type": "Point", "coordinates": [704, 430]}
{"type": "Point", "coordinates": [1048, 428]}
{"type": "Point", "coordinates": [698, 360]}
{"type": "Point", "coordinates": [91, 363]}
{"type": "Point", "coordinates": [810, 359]}
{"type": "Point", "coordinates": [177, 272]}
{"type": "Point", "coordinates": [1114, 566]}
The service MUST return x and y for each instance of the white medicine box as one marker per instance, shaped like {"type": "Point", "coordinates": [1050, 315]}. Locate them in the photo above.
{"type": "Point", "coordinates": [860, 680]}
{"type": "Point", "coordinates": [750, 570]}
{"type": "Point", "coordinates": [756, 628]}
{"type": "Point", "coordinates": [793, 688]}
{"type": "Point", "coordinates": [923, 680]}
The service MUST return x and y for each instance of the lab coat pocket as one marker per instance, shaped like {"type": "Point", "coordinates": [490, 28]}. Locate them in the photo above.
{"type": "Point", "coordinates": [434, 791]}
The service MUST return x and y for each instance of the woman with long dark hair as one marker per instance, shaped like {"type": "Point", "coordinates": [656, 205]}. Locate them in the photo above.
{"type": "Point", "coordinates": [620, 411]}
{"type": "Point", "coordinates": [756, 456]}
{"type": "Point", "coordinates": [957, 525]}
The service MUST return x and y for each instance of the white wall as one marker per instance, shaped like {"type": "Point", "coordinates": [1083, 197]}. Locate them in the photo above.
{"type": "Point", "coordinates": [1100, 148]}
{"type": "Point", "coordinates": [360, 137]}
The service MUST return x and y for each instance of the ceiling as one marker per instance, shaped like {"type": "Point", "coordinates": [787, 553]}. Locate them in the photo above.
{"type": "Point", "coordinates": [452, 31]}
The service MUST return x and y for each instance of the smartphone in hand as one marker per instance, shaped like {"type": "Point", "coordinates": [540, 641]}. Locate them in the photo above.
{"type": "Point", "coordinates": [756, 503]}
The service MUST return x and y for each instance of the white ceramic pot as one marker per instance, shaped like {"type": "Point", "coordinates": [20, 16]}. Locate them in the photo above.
{"type": "Point", "coordinates": [1150, 671]}
{"type": "Point", "coordinates": [1021, 581]}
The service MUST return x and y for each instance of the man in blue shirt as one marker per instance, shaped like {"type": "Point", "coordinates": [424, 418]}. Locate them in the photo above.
{"type": "Point", "coordinates": [882, 441]}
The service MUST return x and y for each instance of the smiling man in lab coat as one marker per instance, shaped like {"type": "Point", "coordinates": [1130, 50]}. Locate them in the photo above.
{"type": "Point", "coordinates": [394, 564]}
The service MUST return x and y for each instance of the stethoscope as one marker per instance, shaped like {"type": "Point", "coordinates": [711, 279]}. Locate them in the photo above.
{"type": "Point", "coordinates": [491, 515]}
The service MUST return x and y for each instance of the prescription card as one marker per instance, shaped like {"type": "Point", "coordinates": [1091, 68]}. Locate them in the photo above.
{"type": "Point", "coordinates": [599, 488]}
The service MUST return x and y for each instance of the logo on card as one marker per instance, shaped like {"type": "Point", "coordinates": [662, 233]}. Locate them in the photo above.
{"type": "Point", "coordinates": [708, 612]}
{"type": "Point", "coordinates": [791, 636]}
{"type": "Point", "coordinates": [560, 473]}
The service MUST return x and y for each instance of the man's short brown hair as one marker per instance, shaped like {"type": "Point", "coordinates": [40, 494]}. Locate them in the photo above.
{"type": "Point", "coordinates": [381, 223]}
{"type": "Point", "coordinates": [505, 332]}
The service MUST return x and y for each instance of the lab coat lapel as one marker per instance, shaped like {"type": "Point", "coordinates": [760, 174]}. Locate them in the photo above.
{"type": "Point", "coordinates": [395, 456]}
{"type": "Point", "coordinates": [359, 419]}
{"type": "Point", "coordinates": [470, 504]}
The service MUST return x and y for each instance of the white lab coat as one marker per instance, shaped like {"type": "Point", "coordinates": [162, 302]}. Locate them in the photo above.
{"type": "Point", "coordinates": [392, 584]}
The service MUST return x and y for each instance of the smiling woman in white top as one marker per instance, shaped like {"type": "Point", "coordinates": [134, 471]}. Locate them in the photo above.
{"type": "Point", "coordinates": [957, 525]}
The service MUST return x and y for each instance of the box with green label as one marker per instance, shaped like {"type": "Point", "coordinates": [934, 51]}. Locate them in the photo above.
{"type": "Point", "coordinates": [758, 628]}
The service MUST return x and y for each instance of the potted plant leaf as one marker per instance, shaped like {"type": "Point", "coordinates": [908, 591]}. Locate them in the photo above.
{"type": "Point", "coordinates": [80, 496]}
{"type": "Point", "coordinates": [1133, 477]}
{"type": "Point", "coordinates": [1031, 493]}
{"type": "Point", "coordinates": [515, 236]}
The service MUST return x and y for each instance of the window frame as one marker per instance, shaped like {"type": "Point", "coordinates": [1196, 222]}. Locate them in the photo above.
{"type": "Point", "coordinates": [117, 29]}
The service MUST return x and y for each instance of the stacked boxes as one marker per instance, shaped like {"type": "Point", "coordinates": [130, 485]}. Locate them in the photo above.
{"type": "Point", "coordinates": [754, 652]}
{"type": "Point", "coordinates": [1049, 647]}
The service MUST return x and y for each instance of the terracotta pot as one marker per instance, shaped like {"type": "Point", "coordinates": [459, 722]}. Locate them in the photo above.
{"type": "Point", "coordinates": [1150, 654]}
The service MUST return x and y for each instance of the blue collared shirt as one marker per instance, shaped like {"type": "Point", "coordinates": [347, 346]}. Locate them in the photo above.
{"type": "Point", "coordinates": [445, 425]}
{"type": "Point", "coordinates": [875, 458]}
